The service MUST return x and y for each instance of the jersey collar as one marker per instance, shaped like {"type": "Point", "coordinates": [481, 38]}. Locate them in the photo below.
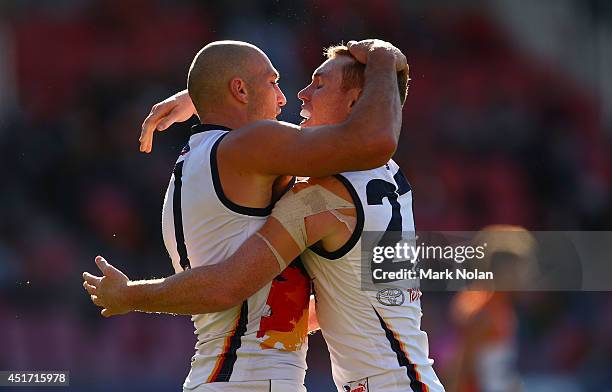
{"type": "Point", "coordinates": [208, 127]}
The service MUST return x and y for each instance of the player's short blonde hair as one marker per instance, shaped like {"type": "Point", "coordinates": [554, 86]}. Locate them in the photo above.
{"type": "Point", "coordinates": [353, 73]}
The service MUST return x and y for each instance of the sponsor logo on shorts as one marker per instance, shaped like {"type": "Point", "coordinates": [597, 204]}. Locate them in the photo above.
{"type": "Point", "coordinates": [414, 294]}
{"type": "Point", "coordinates": [390, 297]}
{"type": "Point", "coordinates": [356, 386]}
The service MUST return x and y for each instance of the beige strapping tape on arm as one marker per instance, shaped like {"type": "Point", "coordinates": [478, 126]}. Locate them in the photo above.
{"type": "Point", "coordinates": [281, 262]}
{"type": "Point", "coordinates": [349, 221]}
{"type": "Point", "coordinates": [294, 207]}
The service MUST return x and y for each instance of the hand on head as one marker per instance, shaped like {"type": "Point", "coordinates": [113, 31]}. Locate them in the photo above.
{"type": "Point", "coordinates": [361, 50]}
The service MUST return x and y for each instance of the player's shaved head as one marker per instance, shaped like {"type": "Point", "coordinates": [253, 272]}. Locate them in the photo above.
{"type": "Point", "coordinates": [214, 67]}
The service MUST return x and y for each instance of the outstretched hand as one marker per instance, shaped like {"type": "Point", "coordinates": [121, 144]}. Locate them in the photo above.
{"type": "Point", "coordinates": [109, 290]}
{"type": "Point", "coordinates": [177, 108]}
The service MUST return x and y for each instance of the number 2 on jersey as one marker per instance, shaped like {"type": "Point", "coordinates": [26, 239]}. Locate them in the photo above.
{"type": "Point", "coordinates": [376, 191]}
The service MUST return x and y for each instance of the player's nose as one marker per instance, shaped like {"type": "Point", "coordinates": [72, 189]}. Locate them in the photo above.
{"type": "Point", "coordinates": [280, 97]}
{"type": "Point", "coordinates": [302, 95]}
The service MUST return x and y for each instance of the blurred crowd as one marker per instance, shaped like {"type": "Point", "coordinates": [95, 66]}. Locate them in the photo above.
{"type": "Point", "coordinates": [491, 134]}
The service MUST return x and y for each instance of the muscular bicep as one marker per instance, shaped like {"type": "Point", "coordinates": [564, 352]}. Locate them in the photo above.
{"type": "Point", "coordinates": [278, 148]}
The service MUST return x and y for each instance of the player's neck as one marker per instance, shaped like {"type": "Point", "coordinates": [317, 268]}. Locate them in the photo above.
{"type": "Point", "coordinates": [228, 116]}
{"type": "Point", "coordinates": [220, 120]}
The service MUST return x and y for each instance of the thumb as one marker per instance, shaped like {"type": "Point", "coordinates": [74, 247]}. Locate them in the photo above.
{"type": "Point", "coordinates": [102, 264]}
{"type": "Point", "coordinates": [164, 124]}
{"type": "Point", "coordinates": [106, 268]}
{"type": "Point", "coordinates": [109, 270]}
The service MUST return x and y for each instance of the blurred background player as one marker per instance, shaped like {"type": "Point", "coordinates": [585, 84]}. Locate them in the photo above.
{"type": "Point", "coordinates": [484, 314]}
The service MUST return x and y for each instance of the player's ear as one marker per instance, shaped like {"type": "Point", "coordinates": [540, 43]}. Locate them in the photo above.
{"type": "Point", "coordinates": [353, 95]}
{"type": "Point", "coordinates": [238, 89]}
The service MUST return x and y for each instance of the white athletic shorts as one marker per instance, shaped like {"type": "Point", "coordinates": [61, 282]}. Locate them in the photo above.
{"type": "Point", "coordinates": [397, 381]}
{"type": "Point", "coordinates": [254, 386]}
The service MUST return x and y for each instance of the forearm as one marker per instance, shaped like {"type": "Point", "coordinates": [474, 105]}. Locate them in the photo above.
{"type": "Point", "coordinates": [210, 288]}
{"type": "Point", "coordinates": [194, 291]}
{"type": "Point", "coordinates": [184, 98]}
{"type": "Point", "coordinates": [376, 118]}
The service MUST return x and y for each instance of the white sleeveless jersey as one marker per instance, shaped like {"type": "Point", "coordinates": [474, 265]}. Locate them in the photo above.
{"type": "Point", "coordinates": [265, 337]}
{"type": "Point", "coordinates": [367, 336]}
